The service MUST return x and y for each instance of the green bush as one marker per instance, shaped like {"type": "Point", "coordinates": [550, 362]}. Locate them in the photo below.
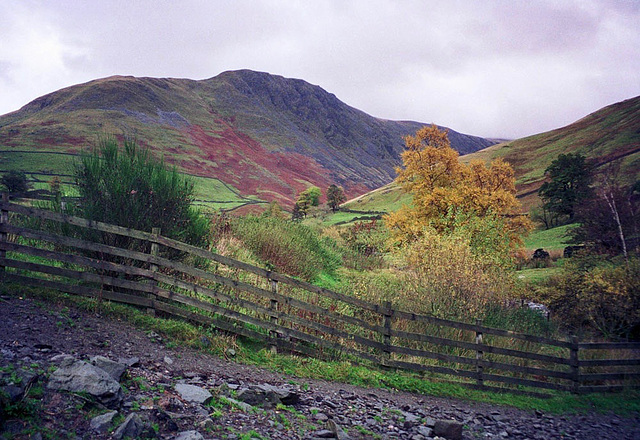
{"type": "Point", "coordinates": [15, 181]}
{"type": "Point", "coordinates": [596, 294]}
{"type": "Point", "coordinates": [289, 247]}
{"type": "Point", "coordinates": [131, 188]}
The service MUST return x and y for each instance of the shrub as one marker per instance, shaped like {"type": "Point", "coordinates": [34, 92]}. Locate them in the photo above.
{"type": "Point", "coordinates": [446, 277]}
{"type": "Point", "coordinates": [131, 188]}
{"type": "Point", "coordinates": [15, 181]}
{"type": "Point", "coordinates": [366, 243]}
{"type": "Point", "coordinates": [597, 294]}
{"type": "Point", "coordinates": [287, 246]}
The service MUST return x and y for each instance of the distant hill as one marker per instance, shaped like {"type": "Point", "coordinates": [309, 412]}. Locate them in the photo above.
{"type": "Point", "coordinates": [259, 136]}
{"type": "Point", "coordinates": [609, 134]}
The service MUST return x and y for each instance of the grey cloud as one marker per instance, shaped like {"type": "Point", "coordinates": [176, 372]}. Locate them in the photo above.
{"type": "Point", "coordinates": [486, 67]}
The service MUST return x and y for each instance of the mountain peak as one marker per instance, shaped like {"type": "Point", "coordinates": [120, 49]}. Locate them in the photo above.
{"type": "Point", "coordinates": [263, 134]}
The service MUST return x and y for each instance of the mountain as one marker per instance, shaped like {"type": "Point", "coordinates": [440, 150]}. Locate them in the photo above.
{"type": "Point", "coordinates": [261, 134]}
{"type": "Point", "coordinates": [611, 134]}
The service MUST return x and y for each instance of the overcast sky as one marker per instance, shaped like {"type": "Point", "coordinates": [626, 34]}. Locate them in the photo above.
{"type": "Point", "coordinates": [491, 68]}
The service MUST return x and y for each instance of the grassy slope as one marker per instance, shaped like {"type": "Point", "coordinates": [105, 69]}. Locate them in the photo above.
{"type": "Point", "coordinates": [608, 134]}
{"type": "Point", "coordinates": [266, 136]}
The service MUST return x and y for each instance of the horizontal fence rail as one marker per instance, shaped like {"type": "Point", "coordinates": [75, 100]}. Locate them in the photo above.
{"type": "Point", "coordinates": [77, 256]}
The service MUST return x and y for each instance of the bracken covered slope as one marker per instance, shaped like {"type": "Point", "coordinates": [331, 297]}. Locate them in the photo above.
{"type": "Point", "coordinates": [263, 134]}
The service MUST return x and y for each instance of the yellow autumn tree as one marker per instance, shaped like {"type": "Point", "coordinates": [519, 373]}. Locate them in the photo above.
{"type": "Point", "coordinates": [445, 190]}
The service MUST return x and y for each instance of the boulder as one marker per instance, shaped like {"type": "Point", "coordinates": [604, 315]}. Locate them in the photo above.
{"type": "Point", "coordinates": [132, 427]}
{"type": "Point", "coordinates": [192, 393]}
{"type": "Point", "coordinates": [100, 424]}
{"type": "Point", "coordinates": [115, 369]}
{"type": "Point", "coordinates": [267, 396]}
{"type": "Point", "coordinates": [82, 377]}
{"type": "Point", "coordinates": [449, 429]}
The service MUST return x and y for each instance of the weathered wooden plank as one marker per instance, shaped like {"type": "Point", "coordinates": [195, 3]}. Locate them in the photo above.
{"type": "Point", "coordinates": [609, 376]}
{"type": "Point", "coordinates": [79, 244]}
{"type": "Point", "coordinates": [481, 347]}
{"type": "Point", "coordinates": [283, 316]}
{"type": "Point", "coordinates": [76, 221]}
{"type": "Point", "coordinates": [526, 382]}
{"type": "Point", "coordinates": [77, 259]}
{"type": "Point", "coordinates": [524, 369]}
{"type": "Point", "coordinates": [250, 288]}
{"type": "Point", "coordinates": [431, 355]}
{"type": "Point", "coordinates": [432, 368]}
{"type": "Point", "coordinates": [609, 362]}
{"type": "Point", "coordinates": [506, 390]}
{"type": "Point", "coordinates": [79, 275]}
{"type": "Point", "coordinates": [609, 346]}
{"type": "Point", "coordinates": [606, 388]}
{"type": "Point", "coordinates": [484, 362]}
{"type": "Point", "coordinates": [399, 314]}
{"type": "Point", "coordinates": [207, 320]}
{"type": "Point", "coordinates": [268, 274]}
{"type": "Point", "coordinates": [214, 294]}
{"type": "Point", "coordinates": [81, 290]}
{"type": "Point", "coordinates": [266, 325]}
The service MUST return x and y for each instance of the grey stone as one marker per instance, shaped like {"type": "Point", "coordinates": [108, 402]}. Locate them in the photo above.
{"type": "Point", "coordinates": [189, 435]}
{"type": "Point", "coordinates": [63, 360]}
{"type": "Point", "coordinates": [337, 431]}
{"type": "Point", "coordinates": [129, 362]}
{"type": "Point", "coordinates": [115, 369]}
{"type": "Point", "coordinates": [133, 426]}
{"type": "Point", "coordinates": [449, 429]}
{"type": "Point", "coordinates": [323, 433]}
{"type": "Point", "coordinates": [101, 423]}
{"type": "Point", "coordinates": [82, 377]}
{"type": "Point", "coordinates": [242, 405]}
{"type": "Point", "coordinates": [193, 393]}
{"type": "Point", "coordinates": [168, 360]}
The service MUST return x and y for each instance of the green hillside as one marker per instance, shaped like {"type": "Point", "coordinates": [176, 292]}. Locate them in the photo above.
{"type": "Point", "coordinates": [260, 136]}
{"type": "Point", "coordinates": [609, 134]}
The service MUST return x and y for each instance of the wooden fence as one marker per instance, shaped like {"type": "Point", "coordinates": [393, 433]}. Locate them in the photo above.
{"type": "Point", "coordinates": [78, 256]}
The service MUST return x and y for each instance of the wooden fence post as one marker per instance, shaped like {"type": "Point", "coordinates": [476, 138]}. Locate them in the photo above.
{"type": "Point", "coordinates": [479, 356]}
{"type": "Point", "coordinates": [386, 336]}
{"type": "Point", "coordinates": [4, 219]}
{"type": "Point", "coordinates": [155, 248]}
{"type": "Point", "coordinates": [574, 359]}
{"type": "Point", "coordinates": [273, 306]}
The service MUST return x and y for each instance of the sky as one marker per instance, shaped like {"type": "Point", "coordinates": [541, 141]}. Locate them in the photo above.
{"type": "Point", "coordinates": [492, 68]}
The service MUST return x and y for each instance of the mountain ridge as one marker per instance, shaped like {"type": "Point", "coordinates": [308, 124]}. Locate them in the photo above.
{"type": "Point", "coordinates": [264, 134]}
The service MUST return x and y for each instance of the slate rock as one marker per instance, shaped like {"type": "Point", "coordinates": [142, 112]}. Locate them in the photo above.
{"type": "Point", "coordinates": [337, 431]}
{"type": "Point", "coordinates": [193, 393]}
{"type": "Point", "coordinates": [133, 426]}
{"type": "Point", "coordinates": [267, 396]}
{"type": "Point", "coordinates": [449, 429]}
{"type": "Point", "coordinates": [189, 435]}
{"type": "Point", "coordinates": [82, 377]}
{"type": "Point", "coordinates": [101, 423]}
{"type": "Point", "coordinates": [324, 433]}
{"type": "Point", "coordinates": [424, 431]}
{"type": "Point", "coordinates": [115, 369]}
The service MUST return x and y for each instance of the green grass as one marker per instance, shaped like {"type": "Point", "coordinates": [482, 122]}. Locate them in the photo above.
{"type": "Point", "coordinates": [254, 353]}
{"type": "Point", "coordinates": [388, 198]}
{"type": "Point", "coordinates": [42, 166]}
{"type": "Point", "coordinates": [536, 276]}
{"type": "Point", "coordinates": [550, 239]}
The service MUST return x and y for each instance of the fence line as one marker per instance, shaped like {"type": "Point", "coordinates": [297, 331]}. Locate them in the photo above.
{"type": "Point", "coordinates": [290, 314]}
